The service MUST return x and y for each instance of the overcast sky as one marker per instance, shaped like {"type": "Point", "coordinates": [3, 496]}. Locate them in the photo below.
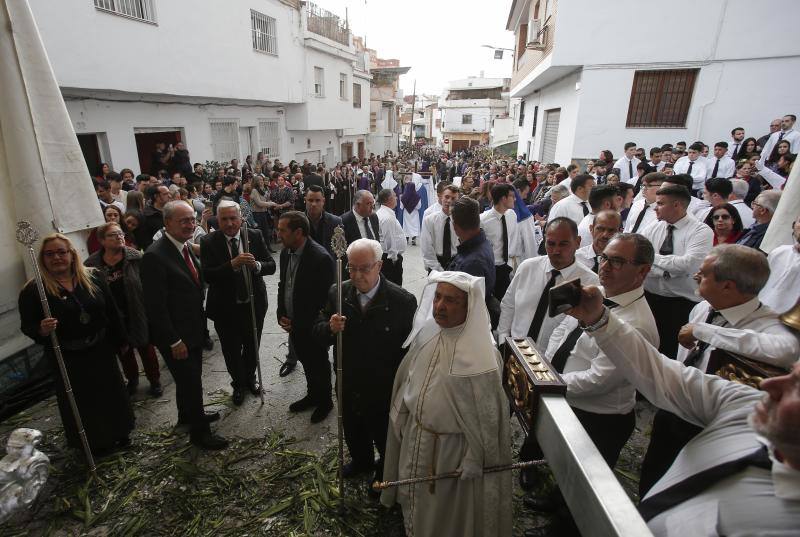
{"type": "Point", "coordinates": [439, 39]}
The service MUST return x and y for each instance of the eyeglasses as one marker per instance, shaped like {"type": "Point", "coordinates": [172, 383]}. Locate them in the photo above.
{"type": "Point", "coordinates": [55, 253]}
{"type": "Point", "coordinates": [617, 262]}
{"type": "Point", "coordinates": [363, 270]}
{"type": "Point", "coordinates": [115, 234]}
{"type": "Point", "coordinates": [721, 217]}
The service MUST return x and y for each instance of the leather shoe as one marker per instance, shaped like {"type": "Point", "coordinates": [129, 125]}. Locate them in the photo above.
{"type": "Point", "coordinates": [209, 441]}
{"type": "Point", "coordinates": [321, 412]}
{"type": "Point", "coordinates": [303, 404]}
{"type": "Point", "coordinates": [286, 368]}
{"type": "Point", "coordinates": [254, 387]}
{"type": "Point", "coordinates": [208, 417]}
{"type": "Point", "coordinates": [351, 469]}
{"type": "Point", "coordinates": [238, 396]}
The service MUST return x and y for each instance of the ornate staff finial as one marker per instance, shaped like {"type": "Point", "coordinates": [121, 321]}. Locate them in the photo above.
{"type": "Point", "coordinates": [26, 233]}
{"type": "Point", "coordinates": [338, 242]}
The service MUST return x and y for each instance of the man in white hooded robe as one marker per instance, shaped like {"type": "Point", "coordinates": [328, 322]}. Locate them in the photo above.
{"type": "Point", "coordinates": [449, 413]}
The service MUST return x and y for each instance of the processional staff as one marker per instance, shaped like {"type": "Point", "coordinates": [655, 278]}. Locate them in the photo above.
{"type": "Point", "coordinates": [27, 235]}
{"type": "Point", "coordinates": [248, 284]}
{"type": "Point", "coordinates": [339, 248]}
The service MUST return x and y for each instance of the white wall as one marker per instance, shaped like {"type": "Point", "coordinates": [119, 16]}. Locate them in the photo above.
{"type": "Point", "coordinates": [198, 47]}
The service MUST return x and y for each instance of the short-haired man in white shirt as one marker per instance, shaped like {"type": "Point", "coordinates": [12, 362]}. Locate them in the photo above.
{"type": "Point", "coordinates": [392, 239]}
{"type": "Point", "coordinates": [782, 290]}
{"type": "Point", "coordinates": [642, 211]}
{"type": "Point", "coordinates": [606, 224]}
{"type": "Point", "coordinates": [627, 164]}
{"type": "Point", "coordinates": [695, 165]}
{"type": "Point", "coordinates": [500, 226]}
{"type": "Point", "coordinates": [735, 149]}
{"type": "Point", "coordinates": [437, 231]}
{"type": "Point", "coordinates": [720, 165]}
{"type": "Point", "coordinates": [681, 243]}
{"type": "Point", "coordinates": [787, 132]}
{"type": "Point", "coordinates": [575, 206]}
{"type": "Point", "coordinates": [739, 192]}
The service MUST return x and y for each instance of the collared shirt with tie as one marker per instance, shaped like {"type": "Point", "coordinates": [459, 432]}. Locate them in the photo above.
{"type": "Point", "coordinates": [588, 257]}
{"type": "Point", "coordinates": [364, 227]}
{"type": "Point", "coordinates": [393, 238]}
{"type": "Point", "coordinates": [593, 382]}
{"type": "Point", "coordinates": [696, 168]}
{"type": "Point", "coordinates": [492, 225]}
{"type": "Point", "coordinates": [751, 329]}
{"type": "Point", "coordinates": [291, 271]}
{"type": "Point", "coordinates": [640, 216]}
{"type": "Point", "coordinates": [771, 497]}
{"type": "Point", "coordinates": [518, 307]}
{"type": "Point", "coordinates": [431, 240]}
{"type": "Point", "coordinates": [571, 207]}
{"type": "Point", "coordinates": [720, 167]}
{"type": "Point", "coordinates": [627, 169]}
{"type": "Point", "coordinates": [691, 242]}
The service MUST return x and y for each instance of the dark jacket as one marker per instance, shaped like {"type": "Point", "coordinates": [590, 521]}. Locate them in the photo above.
{"type": "Point", "coordinates": [372, 341]}
{"type": "Point", "coordinates": [215, 260]}
{"type": "Point", "coordinates": [753, 236]}
{"type": "Point", "coordinates": [315, 275]}
{"type": "Point", "coordinates": [153, 221]}
{"type": "Point", "coordinates": [135, 316]}
{"type": "Point", "coordinates": [351, 232]}
{"type": "Point", "coordinates": [322, 233]}
{"type": "Point", "coordinates": [476, 257]}
{"type": "Point", "coordinates": [173, 301]}
{"type": "Point", "coordinates": [313, 179]}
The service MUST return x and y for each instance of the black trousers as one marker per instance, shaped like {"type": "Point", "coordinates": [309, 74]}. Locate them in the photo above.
{"type": "Point", "coordinates": [365, 421]}
{"type": "Point", "coordinates": [670, 433]}
{"type": "Point", "coordinates": [188, 375]}
{"type": "Point", "coordinates": [393, 270]}
{"type": "Point", "coordinates": [609, 432]}
{"type": "Point", "coordinates": [236, 339]}
{"type": "Point", "coordinates": [671, 313]}
{"type": "Point", "coordinates": [502, 280]}
{"type": "Point", "coordinates": [316, 366]}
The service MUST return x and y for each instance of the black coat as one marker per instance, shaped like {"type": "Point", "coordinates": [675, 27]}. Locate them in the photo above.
{"type": "Point", "coordinates": [315, 275]}
{"type": "Point", "coordinates": [153, 221]}
{"type": "Point", "coordinates": [372, 339]}
{"type": "Point", "coordinates": [351, 232]}
{"type": "Point", "coordinates": [323, 232]}
{"type": "Point", "coordinates": [172, 300]}
{"type": "Point", "coordinates": [215, 260]}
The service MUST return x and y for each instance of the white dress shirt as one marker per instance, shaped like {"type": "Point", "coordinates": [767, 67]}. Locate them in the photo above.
{"type": "Point", "coordinates": [791, 135]}
{"type": "Point", "coordinates": [754, 501]}
{"type": "Point", "coordinates": [752, 330]}
{"type": "Point", "coordinates": [431, 237]}
{"type": "Point", "coordinates": [436, 207]}
{"type": "Point", "coordinates": [783, 287]}
{"type": "Point", "coordinates": [519, 303]}
{"type": "Point", "coordinates": [586, 255]}
{"type": "Point", "coordinates": [593, 382]}
{"type": "Point", "coordinates": [625, 170]}
{"type": "Point", "coordinates": [393, 238]}
{"type": "Point", "coordinates": [734, 146]}
{"type": "Point", "coordinates": [745, 213]}
{"type": "Point", "coordinates": [493, 228]}
{"type": "Point", "coordinates": [648, 218]}
{"type": "Point", "coordinates": [726, 168]}
{"type": "Point", "coordinates": [698, 208]}
{"type": "Point", "coordinates": [571, 207]}
{"type": "Point", "coordinates": [365, 298]}
{"type": "Point", "coordinates": [691, 240]}
{"type": "Point", "coordinates": [583, 229]}
{"type": "Point", "coordinates": [362, 227]}
{"type": "Point", "coordinates": [698, 174]}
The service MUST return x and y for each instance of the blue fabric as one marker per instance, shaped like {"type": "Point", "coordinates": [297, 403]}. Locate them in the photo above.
{"type": "Point", "coordinates": [423, 197]}
{"type": "Point", "coordinates": [476, 257]}
{"type": "Point", "coordinates": [398, 209]}
{"type": "Point", "coordinates": [523, 213]}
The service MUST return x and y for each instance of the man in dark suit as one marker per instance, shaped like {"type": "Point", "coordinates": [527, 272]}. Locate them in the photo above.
{"type": "Point", "coordinates": [315, 179]}
{"type": "Point", "coordinates": [321, 222]}
{"type": "Point", "coordinates": [173, 300]}
{"type": "Point", "coordinates": [223, 261]}
{"type": "Point", "coordinates": [307, 272]}
{"type": "Point", "coordinates": [376, 314]}
{"type": "Point", "coordinates": [361, 222]}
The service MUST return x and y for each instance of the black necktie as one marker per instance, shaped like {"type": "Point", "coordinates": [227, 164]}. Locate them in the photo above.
{"type": "Point", "coordinates": [505, 238]}
{"type": "Point", "coordinates": [780, 136]}
{"type": "Point", "coordinates": [541, 308]}
{"type": "Point", "coordinates": [596, 264]}
{"type": "Point", "coordinates": [689, 171]}
{"type": "Point", "coordinates": [447, 244]}
{"type": "Point", "coordinates": [585, 208]}
{"type": "Point", "coordinates": [241, 289]}
{"type": "Point", "coordinates": [630, 169]}
{"type": "Point", "coordinates": [716, 169]}
{"type": "Point", "coordinates": [697, 352]}
{"type": "Point", "coordinates": [735, 152]}
{"type": "Point", "coordinates": [565, 349]}
{"type": "Point", "coordinates": [667, 247]}
{"type": "Point", "coordinates": [368, 230]}
{"type": "Point", "coordinates": [639, 218]}
{"type": "Point", "coordinates": [699, 482]}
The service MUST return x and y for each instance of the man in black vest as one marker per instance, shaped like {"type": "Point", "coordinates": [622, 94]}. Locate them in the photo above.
{"type": "Point", "coordinates": [223, 261]}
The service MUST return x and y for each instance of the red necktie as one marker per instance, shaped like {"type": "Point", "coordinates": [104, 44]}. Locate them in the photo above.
{"type": "Point", "coordinates": [189, 264]}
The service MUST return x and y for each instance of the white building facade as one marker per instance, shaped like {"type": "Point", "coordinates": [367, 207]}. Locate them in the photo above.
{"type": "Point", "coordinates": [228, 79]}
{"type": "Point", "coordinates": [592, 76]}
{"type": "Point", "coordinates": [468, 109]}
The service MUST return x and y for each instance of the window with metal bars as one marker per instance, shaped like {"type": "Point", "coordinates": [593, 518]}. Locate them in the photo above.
{"type": "Point", "coordinates": [269, 137]}
{"type": "Point", "coordinates": [225, 140]}
{"type": "Point", "coordinates": [661, 99]}
{"type": "Point", "coordinates": [142, 10]}
{"type": "Point", "coordinates": [265, 38]}
{"type": "Point", "coordinates": [356, 95]}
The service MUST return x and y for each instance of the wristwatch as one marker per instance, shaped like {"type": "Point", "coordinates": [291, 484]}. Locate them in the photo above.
{"type": "Point", "coordinates": [601, 322]}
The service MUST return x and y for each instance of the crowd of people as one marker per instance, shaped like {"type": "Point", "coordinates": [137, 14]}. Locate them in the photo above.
{"type": "Point", "coordinates": [665, 242]}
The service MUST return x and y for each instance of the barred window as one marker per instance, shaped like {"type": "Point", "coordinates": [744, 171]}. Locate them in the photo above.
{"type": "Point", "coordinates": [142, 10]}
{"type": "Point", "coordinates": [356, 95]}
{"type": "Point", "coordinates": [263, 31]}
{"type": "Point", "coordinates": [661, 98]}
{"type": "Point", "coordinates": [269, 137]}
{"type": "Point", "coordinates": [466, 119]}
{"type": "Point", "coordinates": [225, 139]}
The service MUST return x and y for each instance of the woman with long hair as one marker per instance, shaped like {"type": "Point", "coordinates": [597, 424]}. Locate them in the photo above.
{"type": "Point", "coordinates": [261, 204]}
{"type": "Point", "coordinates": [781, 148]}
{"type": "Point", "coordinates": [111, 213]}
{"type": "Point", "coordinates": [726, 223]}
{"type": "Point", "coordinates": [749, 145]}
{"type": "Point", "coordinates": [134, 201]}
{"type": "Point", "coordinates": [90, 334]}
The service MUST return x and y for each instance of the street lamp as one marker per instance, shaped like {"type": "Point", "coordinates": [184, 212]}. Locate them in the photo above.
{"type": "Point", "coordinates": [498, 51]}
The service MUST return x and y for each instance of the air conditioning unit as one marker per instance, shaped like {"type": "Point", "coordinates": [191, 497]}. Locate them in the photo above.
{"type": "Point", "coordinates": [535, 36]}
{"type": "Point", "coordinates": [339, 132]}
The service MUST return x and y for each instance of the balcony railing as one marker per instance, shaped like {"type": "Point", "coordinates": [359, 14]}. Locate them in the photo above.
{"type": "Point", "coordinates": [323, 22]}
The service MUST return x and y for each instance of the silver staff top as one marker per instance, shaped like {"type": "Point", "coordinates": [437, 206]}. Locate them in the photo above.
{"type": "Point", "coordinates": [26, 233]}
{"type": "Point", "coordinates": [338, 242]}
